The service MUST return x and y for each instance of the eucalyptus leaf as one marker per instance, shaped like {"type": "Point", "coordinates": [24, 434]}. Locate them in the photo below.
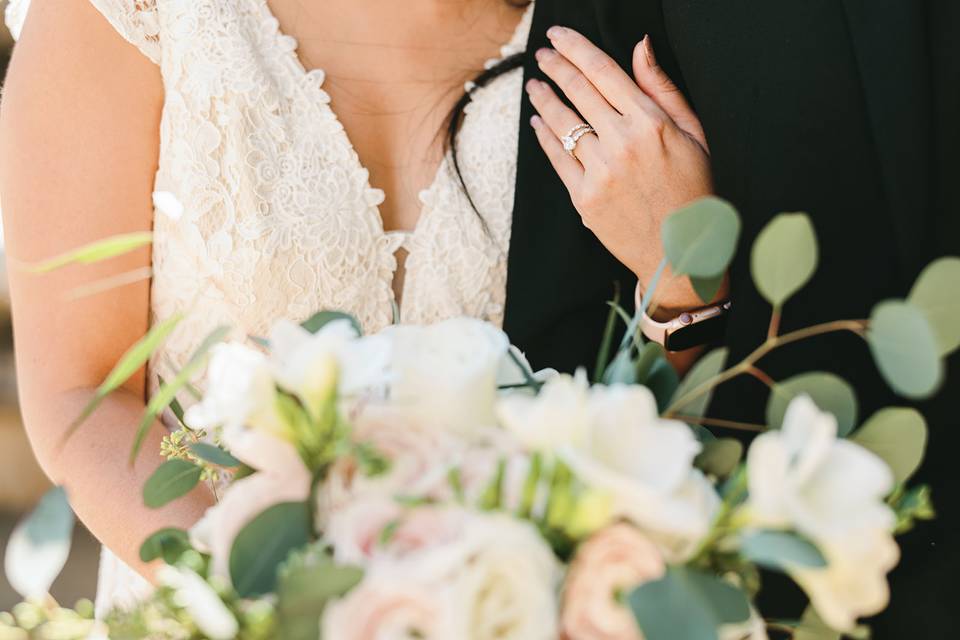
{"type": "Point", "coordinates": [39, 546]}
{"type": "Point", "coordinates": [897, 435]}
{"type": "Point", "coordinates": [307, 581]}
{"type": "Point", "coordinates": [708, 367]}
{"type": "Point", "coordinates": [171, 480]}
{"type": "Point", "coordinates": [96, 251]}
{"type": "Point", "coordinates": [687, 603]}
{"type": "Point", "coordinates": [707, 288]}
{"type": "Point", "coordinates": [812, 627]}
{"type": "Point", "coordinates": [166, 544]}
{"type": "Point", "coordinates": [784, 257]}
{"type": "Point", "coordinates": [905, 349]}
{"type": "Point", "coordinates": [606, 343]}
{"type": "Point", "coordinates": [937, 293]}
{"type": "Point", "coordinates": [720, 458]}
{"type": "Point", "coordinates": [701, 238]}
{"type": "Point", "coordinates": [266, 542]}
{"type": "Point", "coordinates": [623, 369]}
{"type": "Point", "coordinates": [829, 392]}
{"type": "Point", "coordinates": [131, 362]}
{"type": "Point", "coordinates": [319, 320]}
{"type": "Point", "coordinates": [779, 550]}
{"type": "Point", "coordinates": [663, 381]}
{"type": "Point", "coordinates": [214, 455]}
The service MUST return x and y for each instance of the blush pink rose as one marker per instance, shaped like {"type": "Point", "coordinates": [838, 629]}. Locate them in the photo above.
{"type": "Point", "coordinates": [613, 560]}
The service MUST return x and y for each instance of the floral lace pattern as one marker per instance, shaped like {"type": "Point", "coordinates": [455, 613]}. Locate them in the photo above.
{"type": "Point", "coordinates": [280, 219]}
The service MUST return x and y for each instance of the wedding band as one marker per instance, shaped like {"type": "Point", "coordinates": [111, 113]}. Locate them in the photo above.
{"type": "Point", "coordinates": [573, 137]}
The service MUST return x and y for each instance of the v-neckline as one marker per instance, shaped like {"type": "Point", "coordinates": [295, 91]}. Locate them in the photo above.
{"type": "Point", "coordinates": [318, 74]}
{"type": "Point", "coordinates": [392, 240]}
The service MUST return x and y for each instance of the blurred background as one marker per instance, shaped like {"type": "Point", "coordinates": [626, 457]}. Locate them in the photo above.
{"type": "Point", "coordinates": [21, 481]}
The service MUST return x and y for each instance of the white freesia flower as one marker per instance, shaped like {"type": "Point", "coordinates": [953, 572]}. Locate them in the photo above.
{"type": "Point", "coordinates": [557, 417]}
{"type": "Point", "coordinates": [281, 477]}
{"type": "Point", "coordinates": [614, 440]}
{"type": "Point", "coordinates": [445, 374]}
{"type": "Point", "coordinates": [494, 575]}
{"type": "Point", "coordinates": [832, 491]}
{"type": "Point", "coordinates": [202, 603]}
{"type": "Point", "coordinates": [307, 364]}
{"type": "Point", "coordinates": [240, 391]}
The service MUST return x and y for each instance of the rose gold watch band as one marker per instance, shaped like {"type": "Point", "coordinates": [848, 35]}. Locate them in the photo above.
{"type": "Point", "coordinates": [660, 332]}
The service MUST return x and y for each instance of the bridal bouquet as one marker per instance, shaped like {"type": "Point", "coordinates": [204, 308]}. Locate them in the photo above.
{"type": "Point", "coordinates": [424, 482]}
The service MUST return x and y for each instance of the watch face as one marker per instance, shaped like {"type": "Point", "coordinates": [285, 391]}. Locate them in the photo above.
{"type": "Point", "coordinates": [698, 334]}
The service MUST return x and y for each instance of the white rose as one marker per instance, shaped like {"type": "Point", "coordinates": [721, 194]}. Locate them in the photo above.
{"type": "Point", "coordinates": [445, 374]}
{"type": "Point", "coordinates": [202, 603]}
{"type": "Point", "coordinates": [240, 391]}
{"type": "Point", "coordinates": [495, 575]}
{"type": "Point", "coordinates": [281, 477]}
{"type": "Point", "coordinates": [614, 441]}
{"type": "Point", "coordinates": [832, 491]}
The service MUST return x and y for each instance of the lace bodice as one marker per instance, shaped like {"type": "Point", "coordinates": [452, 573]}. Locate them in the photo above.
{"type": "Point", "coordinates": [279, 217]}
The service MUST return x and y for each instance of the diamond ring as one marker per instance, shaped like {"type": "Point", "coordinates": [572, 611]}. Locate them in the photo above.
{"type": "Point", "coordinates": [573, 137]}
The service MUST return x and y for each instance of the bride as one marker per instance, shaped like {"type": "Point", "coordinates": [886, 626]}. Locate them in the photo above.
{"type": "Point", "coordinates": [292, 156]}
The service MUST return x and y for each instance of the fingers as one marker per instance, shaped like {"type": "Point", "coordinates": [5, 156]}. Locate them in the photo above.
{"type": "Point", "coordinates": [618, 88]}
{"type": "Point", "coordinates": [569, 169]}
{"type": "Point", "coordinates": [657, 84]}
{"type": "Point", "coordinates": [581, 92]}
{"type": "Point", "coordinates": [561, 119]}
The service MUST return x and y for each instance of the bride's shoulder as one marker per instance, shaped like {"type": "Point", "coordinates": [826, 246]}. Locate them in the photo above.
{"type": "Point", "coordinates": [136, 20]}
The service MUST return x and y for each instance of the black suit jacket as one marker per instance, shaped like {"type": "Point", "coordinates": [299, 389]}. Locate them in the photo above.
{"type": "Point", "coordinates": [845, 109]}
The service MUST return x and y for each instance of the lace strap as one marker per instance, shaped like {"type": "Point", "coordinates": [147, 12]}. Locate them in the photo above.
{"type": "Point", "coordinates": [135, 20]}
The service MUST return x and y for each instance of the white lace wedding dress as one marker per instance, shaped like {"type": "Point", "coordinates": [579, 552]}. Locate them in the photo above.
{"type": "Point", "coordinates": [279, 218]}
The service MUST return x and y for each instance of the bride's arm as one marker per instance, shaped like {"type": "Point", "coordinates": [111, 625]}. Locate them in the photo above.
{"type": "Point", "coordinates": [78, 153]}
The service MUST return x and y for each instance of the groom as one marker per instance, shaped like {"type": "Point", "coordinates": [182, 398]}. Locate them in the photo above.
{"type": "Point", "coordinates": [845, 109]}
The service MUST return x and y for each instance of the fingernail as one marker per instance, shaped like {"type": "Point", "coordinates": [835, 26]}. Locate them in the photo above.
{"type": "Point", "coordinates": [555, 32]}
{"type": "Point", "coordinates": [535, 121]}
{"type": "Point", "coordinates": [648, 54]}
{"type": "Point", "coordinates": [543, 54]}
{"type": "Point", "coordinates": [532, 85]}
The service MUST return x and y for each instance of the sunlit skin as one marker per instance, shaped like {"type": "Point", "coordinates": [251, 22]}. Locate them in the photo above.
{"type": "Point", "coordinates": [77, 165]}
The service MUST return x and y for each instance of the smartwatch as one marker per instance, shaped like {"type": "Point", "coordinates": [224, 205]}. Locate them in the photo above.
{"type": "Point", "coordinates": [692, 328]}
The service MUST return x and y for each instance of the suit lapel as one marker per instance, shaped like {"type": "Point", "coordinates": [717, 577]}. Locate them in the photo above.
{"type": "Point", "coordinates": [888, 37]}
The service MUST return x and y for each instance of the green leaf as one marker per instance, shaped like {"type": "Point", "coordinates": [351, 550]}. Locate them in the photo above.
{"type": "Point", "coordinates": [307, 581]}
{"type": "Point", "coordinates": [829, 392]}
{"type": "Point", "coordinates": [780, 549]}
{"type": "Point", "coordinates": [897, 435]}
{"type": "Point", "coordinates": [720, 458]}
{"type": "Point", "coordinates": [168, 544]}
{"type": "Point", "coordinates": [623, 369]}
{"type": "Point", "coordinates": [214, 455]}
{"type": "Point", "coordinates": [811, 627]}
{"type": "Point", "coordinates": [687, 603]}
{"type": "Point", "coordinates": [937, 293]}
{"type": "Point", "coordinates": [905, 349]}
{"type": "Point", "coordinates": [319, 320]}
{"type": "Point", "coordinates": [168, 392]}
{"type": "Point", "coordinates": [663, 380]}
{"type": "Point", "coordinates": [96, 251]}
{"type": "Point", "coordinates": [39, 545]}
{"type": "Point", "coordinates": [708, 367]}
{"type": "Point", "coordinates": [264, 543]}
{"type": "Point", "coordinates": [131, 362]}
{"type": "Point", "coordinates": [784, 257]}
{"type": "Point", "coordinates": [606, 343]}
{"type": "Point", "coordinates": [172, 479]}
{"type": "Point", "coordinates": [707, 288]}
{"type": "Point", "coordinates": [700, 239]}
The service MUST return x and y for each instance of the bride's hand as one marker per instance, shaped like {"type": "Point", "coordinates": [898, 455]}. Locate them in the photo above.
{"type": "Point", "coordinates": [648, 158]}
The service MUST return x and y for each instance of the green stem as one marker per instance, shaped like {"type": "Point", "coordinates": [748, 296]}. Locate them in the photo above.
{"type": "Point", "coordinates": [726, 424]}
{"type": "Point", "coordinates": [747, 364]}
